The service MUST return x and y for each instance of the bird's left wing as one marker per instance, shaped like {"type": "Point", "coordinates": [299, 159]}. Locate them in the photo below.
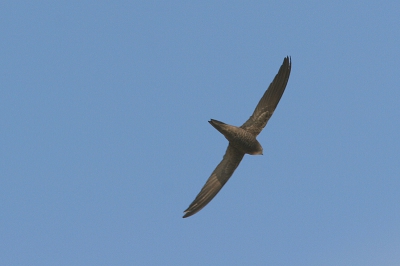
{"type": "Point", "coordinates": [216, 181]}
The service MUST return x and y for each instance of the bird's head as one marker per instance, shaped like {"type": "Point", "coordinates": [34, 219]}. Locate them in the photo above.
{"type": "Point", "coordinates": [258, 149]}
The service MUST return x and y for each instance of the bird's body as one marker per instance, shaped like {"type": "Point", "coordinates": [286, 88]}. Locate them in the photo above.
{"type": "Point", "coordinates": [238, 137]}
{"type": "Point", "coordinates": [242, 139]}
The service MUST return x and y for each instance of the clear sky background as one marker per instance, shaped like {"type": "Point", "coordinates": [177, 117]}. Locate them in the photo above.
{"type": "Point", "coordinates": [104, 139]}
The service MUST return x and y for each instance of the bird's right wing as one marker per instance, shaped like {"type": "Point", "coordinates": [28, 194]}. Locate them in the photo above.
{"type": "Point", "coordinates": [267, 104]}
{"type": "Point", "coordinates": [216, 181]}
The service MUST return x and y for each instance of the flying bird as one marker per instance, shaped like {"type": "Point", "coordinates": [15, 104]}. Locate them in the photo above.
{"type": "Point", "coordinates": [242, 139]}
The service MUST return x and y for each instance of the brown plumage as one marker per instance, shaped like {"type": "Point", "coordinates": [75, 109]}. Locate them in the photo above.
{"type": "Point", "coordinates": [242, 139]}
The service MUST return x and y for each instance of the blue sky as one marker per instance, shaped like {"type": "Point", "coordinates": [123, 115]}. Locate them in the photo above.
{"type": "Point", "coordinates": [105, 141]}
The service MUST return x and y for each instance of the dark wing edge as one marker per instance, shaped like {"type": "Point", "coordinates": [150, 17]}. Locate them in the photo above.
{"type": "Point", "coordinates": [266, 106]}
{"type": "Point", "coordinates": [216, 181]}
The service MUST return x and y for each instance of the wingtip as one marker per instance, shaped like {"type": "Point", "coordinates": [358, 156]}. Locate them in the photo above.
{"type": "Point", "coordinates": [187, 214]}
{"type": "Point", "coordinates": [191, 211]}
